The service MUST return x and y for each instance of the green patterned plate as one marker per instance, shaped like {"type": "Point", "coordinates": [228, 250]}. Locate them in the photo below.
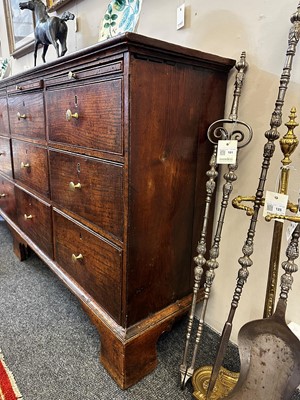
{"type": "Point", "coordinates": [121, 16]}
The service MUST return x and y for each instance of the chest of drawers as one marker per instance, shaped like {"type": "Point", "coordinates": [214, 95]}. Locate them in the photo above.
{"type": "Point", "coordinates": [102, 174]}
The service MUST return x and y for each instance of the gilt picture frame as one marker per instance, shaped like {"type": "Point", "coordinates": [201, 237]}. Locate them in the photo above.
{"type": "Point", "coordinates": [54, 5]}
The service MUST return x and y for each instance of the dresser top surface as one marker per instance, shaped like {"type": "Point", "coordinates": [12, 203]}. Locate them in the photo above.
{"type": "Point", "coordinates": [128, 42]}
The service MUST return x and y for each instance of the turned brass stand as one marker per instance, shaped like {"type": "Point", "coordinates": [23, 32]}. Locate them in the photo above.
{"type": "Point", "coordinates": [227, 379]}
{"type": "Point", "coordinates": [288, 144]}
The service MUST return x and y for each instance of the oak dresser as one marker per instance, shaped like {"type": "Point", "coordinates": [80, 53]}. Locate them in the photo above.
{"type": "Point", "coordinates": [103, 155]}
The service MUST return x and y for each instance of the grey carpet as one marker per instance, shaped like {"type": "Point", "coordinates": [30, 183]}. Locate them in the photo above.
{"type": "Point", "coordinates": [52, 348]}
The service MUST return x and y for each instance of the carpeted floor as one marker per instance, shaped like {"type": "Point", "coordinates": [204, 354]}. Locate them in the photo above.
{"type": "Point", "coordinates": [52, 348]}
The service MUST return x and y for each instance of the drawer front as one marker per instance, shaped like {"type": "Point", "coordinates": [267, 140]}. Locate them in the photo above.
{"type": "Point", "coordinates": [7, 198]}
{"type": "Point", "coordinates": [26, 115]}
{"type": "Point", "coordinates": [4, 128]}
{"type": "Point", "coordinates": [99, 199]}
{"type": "Point", "coordinates": [5, 157]}
{"type": "Point", "coordinates": [34, 218]}
{"type": "Point", "coordinates": [94, 263]}
{"type": "Point", "coordinates": [98, 107]}
{"type": "Point", "coordinates": [31, 165]}
{"type": "Point", "coordinates": [100, 67]}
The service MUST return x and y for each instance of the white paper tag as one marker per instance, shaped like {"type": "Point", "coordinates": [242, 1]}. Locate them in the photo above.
{"type": "Point", "coordinates": [275, 203]}
{"type": "Point", "coordinates": [180, 16]}
{"type": "Point", "coordinates": [227, 152]}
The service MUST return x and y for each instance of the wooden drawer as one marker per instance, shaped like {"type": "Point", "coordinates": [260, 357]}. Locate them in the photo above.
{"type": "Point", "coordinates": [7, 198]}
{"type": "Point", "coordinates": [5, 156]}
{"type": "Point", "coordinates": [95, 69]}
{"type": "Point", "coordinates": [4, 128]}
{"type": "Point", "coordinates": [26, 115]}
{"type": "Point", "coordinates": [31, 165]}
{"type": "Point", "coordinates": [99, 108]}
{"type": "Point", "coordinates": [34, 218]}
{"type": "Point", "coordinates": [100, 197]}
{"type": "Point", "coordinates": [93, 262]}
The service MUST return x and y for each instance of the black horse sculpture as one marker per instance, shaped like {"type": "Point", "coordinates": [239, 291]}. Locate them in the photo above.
{"type": "Point", "coordinates": [48, 30]}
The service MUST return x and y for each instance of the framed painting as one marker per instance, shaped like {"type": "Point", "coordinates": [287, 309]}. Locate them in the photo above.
{"type": "Point", "coordinates": [20, 28]}
{"type": "Point", "coordinates": [55, 4]}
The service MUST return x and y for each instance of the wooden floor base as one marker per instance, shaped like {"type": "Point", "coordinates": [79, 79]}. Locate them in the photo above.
{"type": "Point", "coordinates": [21, 248]}
{"type": "Point", "coordinates": [129, 355]}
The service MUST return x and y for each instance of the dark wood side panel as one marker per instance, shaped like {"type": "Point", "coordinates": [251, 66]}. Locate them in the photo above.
{"type": "Point", "coordinates": [4, 128]}
{"type": "Point", "coordinates": [99, 109]}
{"type": "Point", "coordinates": [98, 266]}
{"type": "Point", "coordinates": [26, 115]}
{"type": "Point", "coordinates": [164, 145]}
{"type": "Point", "coordinates": [34, 218]}
{"type": "Point", "coordinates": [31, 165]}
{"type": "Point", "coordinates": [99, 199]}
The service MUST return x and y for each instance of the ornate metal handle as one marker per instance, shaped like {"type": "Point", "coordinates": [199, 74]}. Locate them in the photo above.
{"type": "Point", "coordinates": [28, 216]}
{"type": "Point", "coordinates": [75, 258]}
{"type": "Point", "coordinates": [72, 75]}
{"type": "Point", "coordinates": [2, 195]}
{"type": "Point", "coordinates": [21, 116]}
{"type": "Point", "coordinates": [74, 186]}
{"type": "Point", "coordinates": [69, 115]}
{"type": "Point", "coordinates": [25, 165]}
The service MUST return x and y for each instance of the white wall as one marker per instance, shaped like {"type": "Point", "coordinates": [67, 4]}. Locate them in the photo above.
{"type": "Point", "coordinates": [260, 27]}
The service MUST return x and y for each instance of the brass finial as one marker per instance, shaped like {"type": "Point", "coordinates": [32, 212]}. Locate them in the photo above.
{"type": "Point", "coordinates": [289, 141]}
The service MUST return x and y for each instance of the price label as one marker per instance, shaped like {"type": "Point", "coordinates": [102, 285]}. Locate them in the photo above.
{"type": "Point", "coordinates": [275, 203]}
{"type": "Point", "coordinates": [180, 16]}
{"type": "Point", "coordinates": [290, 229]}
{"type": "Point", "coordinates": [227, 152]}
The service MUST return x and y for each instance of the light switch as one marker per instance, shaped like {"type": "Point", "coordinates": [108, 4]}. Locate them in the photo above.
{"type": "Point", "coordinates": [180, 16]}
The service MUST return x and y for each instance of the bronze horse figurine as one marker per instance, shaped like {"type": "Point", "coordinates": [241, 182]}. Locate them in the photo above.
{"type": "Point", "coordinates": [48, 30]}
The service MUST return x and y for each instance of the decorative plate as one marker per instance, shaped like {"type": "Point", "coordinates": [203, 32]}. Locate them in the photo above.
{"type": "Point", "coordinates": [4, 64]}
{"type": "Point", "coordinates": [121, 16]}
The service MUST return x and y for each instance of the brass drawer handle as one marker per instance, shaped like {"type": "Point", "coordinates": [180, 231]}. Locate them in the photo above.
{"type": "Point", "coordinates": [2, 153]}
{"type": "Point", "coordinates": [19, 87]}
{"type": "Point", "coordinates": [74, 186]}
{"type": "Point", "coordinates": [75, 258]}
{"type": "Point", "coordinates": [72, 75]}
{"type": "Point", "coordinates": [28, 216]}
{"type": "Point", "coordinates": [25, 165]}
{"type": "Point", "coordinates": [21, 116]}
{"type": "Point", "coordinates": [69, 115]}
{"type": "Point", "coordinates": [2, 195]}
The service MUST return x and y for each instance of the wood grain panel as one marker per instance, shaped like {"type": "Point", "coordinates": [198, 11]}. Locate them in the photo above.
{"type": "Point", "coordinates": [31, 165]}
{"type": "Point", "coordinates": [100, 197]}
{"type": "Point", "coordinates": [34, 218]}
{"type": "Point", "coordinates": [30, 105]}
{"type": "Point", "coordinates": [5, 156]}
{"type": "Point", "coordinates": [99, 107]}
{"type": "Point", "coordinates": [7, 198]}
{"type": "Point", "coordinates": [4, 127]}
{"type": "Point", "coordinates": [99, 270]}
